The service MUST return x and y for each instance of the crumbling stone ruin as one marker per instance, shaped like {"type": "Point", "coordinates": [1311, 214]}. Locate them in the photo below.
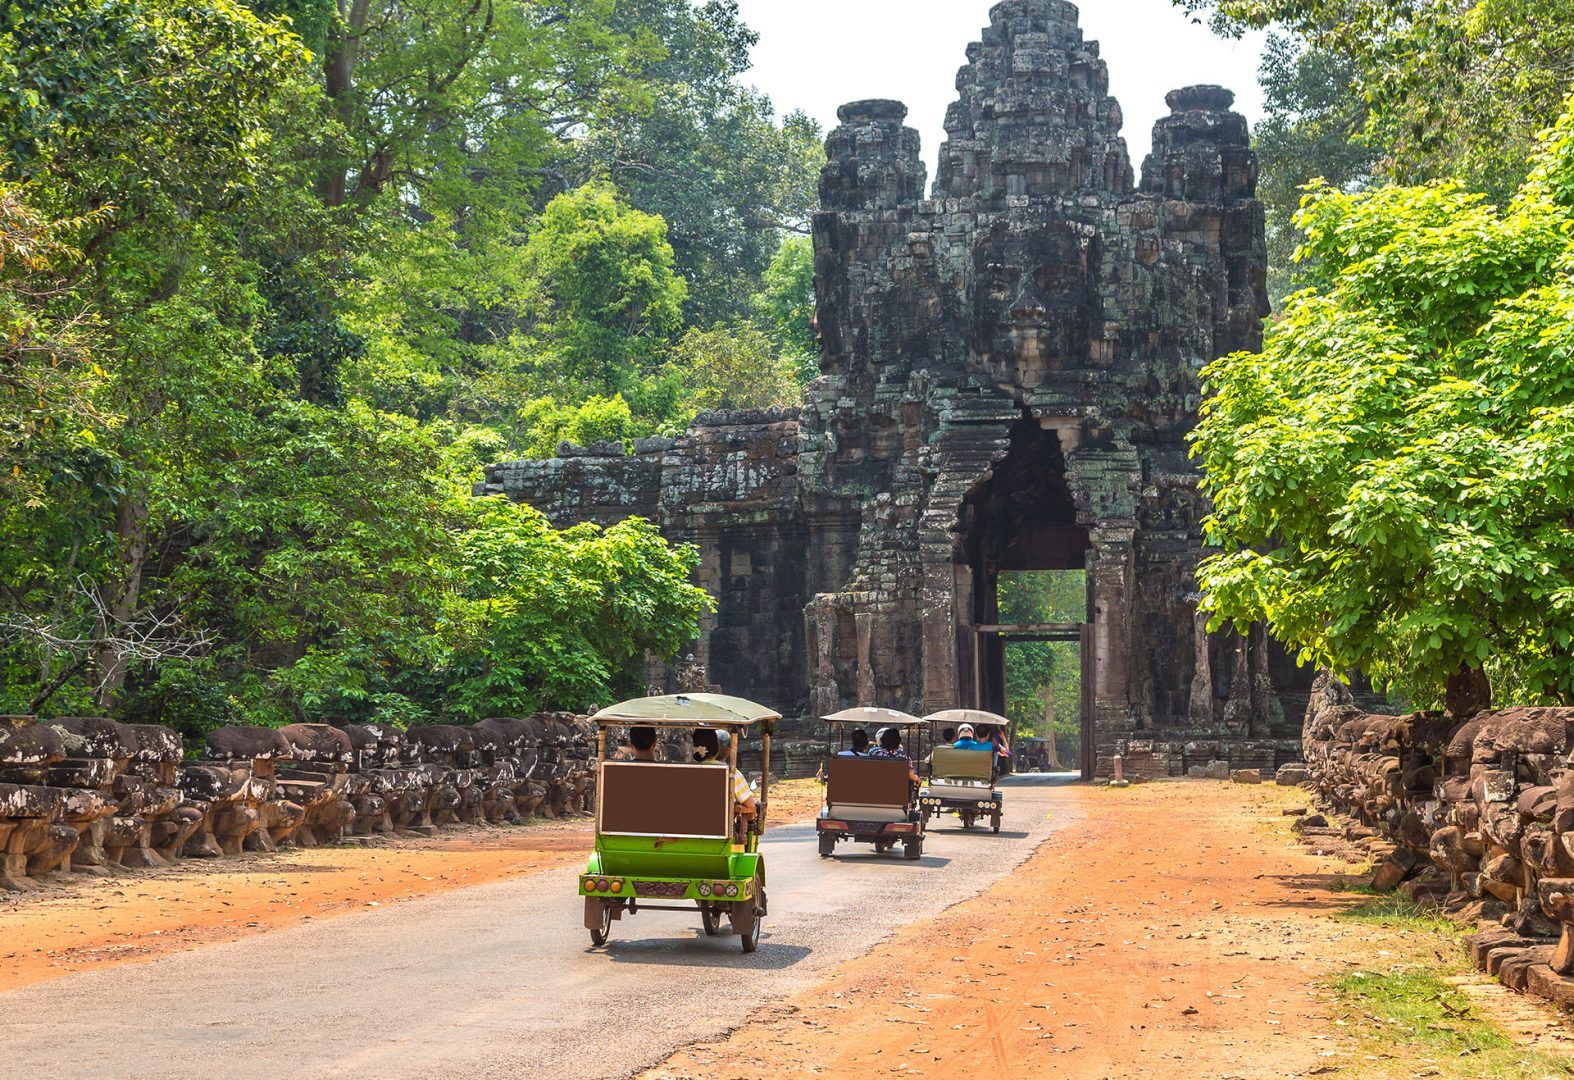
{"type": "Point", "coordinates": [1009, 368]}
{"type": "Point", "coordinates": [1477, 817]}
{"type": "Point", "coordinates": [87, 794]}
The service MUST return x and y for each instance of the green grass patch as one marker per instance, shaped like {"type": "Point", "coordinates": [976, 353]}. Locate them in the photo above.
{"type": "Point", "coordinates": [1412, 1019]}
{"type": "Point", "coordinates": [1398, 912]}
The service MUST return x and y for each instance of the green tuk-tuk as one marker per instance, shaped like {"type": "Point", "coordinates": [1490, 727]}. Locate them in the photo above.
{"type": "Point", "coordinates": [671, 836]}
{"type": "Point", "coordinates": [869, 796]}
{"type": "Point", "coordinates": [962, 781]}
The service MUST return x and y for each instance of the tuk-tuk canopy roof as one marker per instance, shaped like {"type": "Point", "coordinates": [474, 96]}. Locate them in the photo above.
{"type": "Point", "coordinates": [967, 716]}
{"type": "Point", "coordinates": [868, 714]}
{"type": "Point", "coordinates": [687, 710]}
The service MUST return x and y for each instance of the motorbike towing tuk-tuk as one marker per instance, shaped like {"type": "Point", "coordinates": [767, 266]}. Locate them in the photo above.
{"type": "Point", "coordinates": [870, 798]}
{"type": "Point", "coordinates": [961, 781]}
{"type": "Point", "coordinates": [669, 836]}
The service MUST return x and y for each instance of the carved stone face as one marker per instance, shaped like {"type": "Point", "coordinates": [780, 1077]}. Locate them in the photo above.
{"type": "Point", "coordinates": [1033, 300]}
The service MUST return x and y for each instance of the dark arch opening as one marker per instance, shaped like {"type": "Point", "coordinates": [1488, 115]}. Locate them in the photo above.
{"type": "Point", "coordinates": [1021, 522]}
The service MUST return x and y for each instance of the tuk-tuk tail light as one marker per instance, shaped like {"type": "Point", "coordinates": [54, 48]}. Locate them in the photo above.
{"type": "Point", "coordinates": [704, 888]}
{"type": "Point", "coordinates": [617, 886]}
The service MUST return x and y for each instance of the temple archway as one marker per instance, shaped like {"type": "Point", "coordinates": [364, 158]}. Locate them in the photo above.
{"type": "Point", "coordinates": [1026, 558]}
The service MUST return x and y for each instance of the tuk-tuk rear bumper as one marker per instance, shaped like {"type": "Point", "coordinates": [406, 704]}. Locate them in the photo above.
{"type": "Point", "coordinates": [868, 829]}
{"type": "Point", "coordinates": [937, 804]}
{"type": "Point", "coordinates": [613, 887]}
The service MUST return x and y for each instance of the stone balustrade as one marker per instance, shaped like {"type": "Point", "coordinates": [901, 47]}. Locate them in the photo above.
{"type": "Point", "coordinates": [91, 795]}
{"type": "Point", "coordinates": [1477, 817]}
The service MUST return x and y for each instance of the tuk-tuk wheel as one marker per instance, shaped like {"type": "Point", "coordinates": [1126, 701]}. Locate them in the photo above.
{"type": "Point", "coordinates": [746, 919]}
{"type": "Point", "coordinates": [710, 918]}
{"type": "Point", "coordinates": [827, 845]}
{"type": "Point", "coordinates": [598, 917]}
{"type": "Point", "coordinates": [914, 848]}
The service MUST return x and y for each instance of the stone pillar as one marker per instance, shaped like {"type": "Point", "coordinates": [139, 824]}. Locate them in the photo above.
{"type": "Point", "coordinates": [1110, 578]}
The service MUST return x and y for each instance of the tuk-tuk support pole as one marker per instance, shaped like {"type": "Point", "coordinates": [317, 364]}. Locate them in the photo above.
{"type": "Point", "coordinates": [601, 742]}
{"type": "Point", "coordinates": [765, 768]}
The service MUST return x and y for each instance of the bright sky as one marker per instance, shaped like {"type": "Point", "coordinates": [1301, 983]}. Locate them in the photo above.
{"type": "Point", "coordinates": [817, 54]}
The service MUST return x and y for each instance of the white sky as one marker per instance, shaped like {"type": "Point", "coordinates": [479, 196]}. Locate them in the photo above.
{"type": "Point", "coordinates": [817, 54]}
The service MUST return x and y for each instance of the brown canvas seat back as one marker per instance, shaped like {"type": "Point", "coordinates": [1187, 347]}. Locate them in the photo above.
{"type": "Point", "coordinates": [949, 763]}
{"type": "Point", "coordinates": [638, 798]}
{"type": "Point", "coordinates": [868, 789]}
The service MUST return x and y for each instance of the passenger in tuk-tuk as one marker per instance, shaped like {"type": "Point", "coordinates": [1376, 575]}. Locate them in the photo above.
{"type": "Point", "coordinates": [891, 747]}
{"type": "Point", "coordinates": [707, 747]}
{"type": "Point", "coordinates": [997, 739]}
{"type": "Point", "coordinates": [641, 745]}
{"type": "Point", "coordinates": [967, 739]}
{"type": "Point", "coordinates": [859, 740]}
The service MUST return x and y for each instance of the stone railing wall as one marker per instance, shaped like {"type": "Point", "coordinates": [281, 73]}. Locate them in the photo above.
{"type": "Point", "coordinates": [1477, 817]}
{"type": "Point", "coordinates": [90, 794]}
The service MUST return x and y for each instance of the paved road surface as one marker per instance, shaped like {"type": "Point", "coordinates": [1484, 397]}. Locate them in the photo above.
{"type": "Point", "coordinates": [497, 980]}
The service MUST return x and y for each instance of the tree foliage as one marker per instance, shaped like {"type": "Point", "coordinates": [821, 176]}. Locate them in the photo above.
{"type": "Point", "coordinates": [1392, 474]}
{"type": "Point", "coordinates": [1044, 678]}
{"type": "Point", "coordinates": [1311, 130]}
{"type": "Point", "coordinates": [786, 303]}
{"type": "Point", "coordinates": [736, 367]}
{"type": "Point", "coordinates": [1453, 89]}
{"type": "Point", "coordinates": [707, 154]}
{"type": "Point", "coordinates": [275, 279]}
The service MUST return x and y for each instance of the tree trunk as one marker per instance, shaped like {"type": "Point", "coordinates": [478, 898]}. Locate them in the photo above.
{"type": "Point", "coordinates": [338, 67]}
{"type": "Point", "coordinates": [50, 688]}
{"type": "Point", "coordinates": [1049, 728]}
{"type": "Point", "coordinates": [131, 519]}
{"type": "Point", "coordinates": [1468, 693]}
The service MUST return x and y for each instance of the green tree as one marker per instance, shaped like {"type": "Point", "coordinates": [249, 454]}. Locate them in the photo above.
{"type": "Point", "coordinates": [786, 303]}
{"type": "Point", "coordinates": [1044, 678]}
{"type": "Point", "coordinates": [1454, 89]}
{"type": "Point", "coordinates": [705, 152]}
{"type": "Point", "coordinates": [1391, 476]}
{"type": "Point", "coordinates": [47, 370]}
{"type": "Point", "coordinates": [736, 367]}
{"type": "Point", "coordinates": [1311, 127]}
{"type": "Point", "coordinates": [266, 310]}
{"type": "Point", "coordinates": [548, 619]}
{"type": "Point", "coordinates": [609, 301]}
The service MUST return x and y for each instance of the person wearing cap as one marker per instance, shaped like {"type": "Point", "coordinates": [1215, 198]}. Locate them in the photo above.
{"type": "Point", "coordinates": [707, 748]}
{"type": "Point", "coordinates": [966, 739]}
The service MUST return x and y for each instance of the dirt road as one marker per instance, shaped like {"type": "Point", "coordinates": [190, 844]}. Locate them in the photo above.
{"type": "Point", "coordinates": [1167, 929]}
{"type": "Point", "coordinates": [1178, 930]}
{"type": "Point", "coordinates": [498, 979]}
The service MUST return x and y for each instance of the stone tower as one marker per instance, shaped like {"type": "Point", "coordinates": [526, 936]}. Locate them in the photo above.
{"type": "Point", "coordinates": [1009, 370]}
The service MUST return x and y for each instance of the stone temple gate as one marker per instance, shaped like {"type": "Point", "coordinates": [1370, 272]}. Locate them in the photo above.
{"type": "Point", "coordinates": [1009, 368]}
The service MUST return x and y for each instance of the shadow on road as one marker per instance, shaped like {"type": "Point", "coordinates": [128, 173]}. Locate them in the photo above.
{"type": "Point", "coordinates": [1318, 892]}
{"type": "Point", "coordinates": [703, 952]}
{"type": "Point", "coordinates": [1055, 779]}
{"type": "Point", "coordinates": [957, 830]}
{"type": "Point", "coordinates": [869, 858]}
